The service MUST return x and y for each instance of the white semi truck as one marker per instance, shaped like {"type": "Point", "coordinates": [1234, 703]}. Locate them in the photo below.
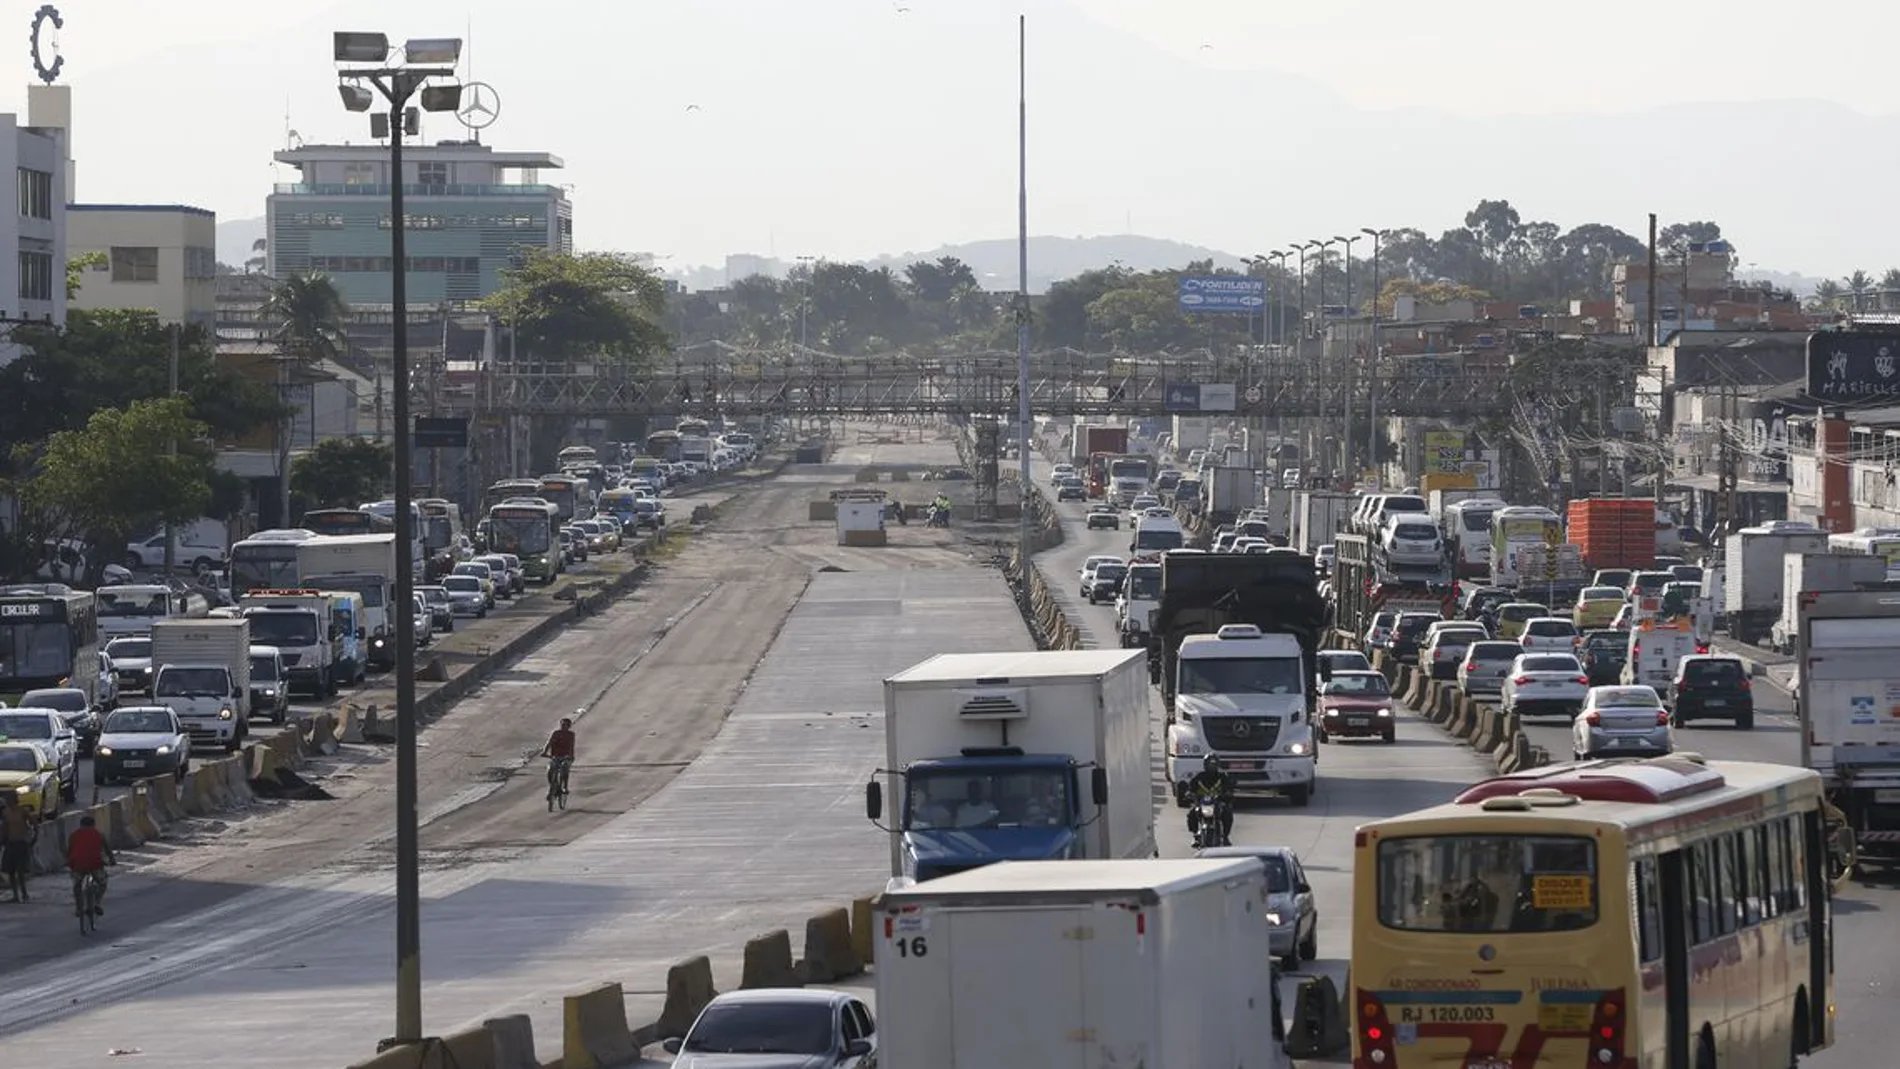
{"type": "Point", "coordinates": [201, 669]}
{"type": "Point", "coordinates": [1847, 694]}
{"type": "Point", "coordinates": [359, 564]}
{"type": "Point", "coordinates": [1024, 755]}
{"type": "Point", "coordinates": [1163, 963]}
{"type": "Point", "coordinates": [1318, 515]}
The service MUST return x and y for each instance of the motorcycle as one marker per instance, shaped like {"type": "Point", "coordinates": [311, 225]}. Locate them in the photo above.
{"type": "Point", "coordinates": [938, 517]}
{"type": "Point", "coordinates": [1206, 824]}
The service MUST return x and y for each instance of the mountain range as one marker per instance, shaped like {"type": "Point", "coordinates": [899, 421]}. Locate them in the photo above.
{"type": "Point", "coordinates": [994, 261]}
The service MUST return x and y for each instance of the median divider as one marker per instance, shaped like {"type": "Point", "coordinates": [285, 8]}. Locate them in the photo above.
{"type": "Point", "coordinates": [1319, 1027]}
{"type": "Point", "coordinates": [829, 953]}
{"type": "Point", "coordinates": [861, 921]}
{"type": "Point", "coordinates": [594, 1029]}
{"type": "Point", "coordinates": [689, 987]}
{"type": "Point", "coordinates": [768, 961]}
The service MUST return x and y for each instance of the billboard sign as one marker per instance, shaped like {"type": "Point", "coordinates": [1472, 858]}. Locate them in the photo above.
{"type": "Point", "coordinates": [1223, 293]}
{"type": "Point", "coordinates": [1847, 366]}
{"type": "Point", "coordinates": [1200, 397]}
{"type": "Point", "coordinates": [1445, 452]}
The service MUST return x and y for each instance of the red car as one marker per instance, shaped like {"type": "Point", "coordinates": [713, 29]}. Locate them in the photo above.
{"type": "Point", "coordinates": [1356, 705]}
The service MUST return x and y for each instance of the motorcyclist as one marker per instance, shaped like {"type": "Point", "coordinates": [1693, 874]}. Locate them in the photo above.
{"type": "Point", "coordinates": [1212, 783]}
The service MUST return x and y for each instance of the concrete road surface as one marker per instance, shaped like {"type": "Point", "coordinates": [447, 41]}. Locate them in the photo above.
{"type": "Point", "coordinates": [279, 933]}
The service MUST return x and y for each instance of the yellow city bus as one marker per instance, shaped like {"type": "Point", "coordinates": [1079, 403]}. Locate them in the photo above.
{"type": "Point", "coordinates": [1662, 914]}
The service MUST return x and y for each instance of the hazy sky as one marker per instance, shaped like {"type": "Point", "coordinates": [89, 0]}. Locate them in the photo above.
{"type": "Point", "coordinates": [850, 128]}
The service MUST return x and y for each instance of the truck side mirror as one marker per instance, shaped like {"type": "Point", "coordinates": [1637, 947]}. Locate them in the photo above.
{"type": "Point", "coordinates": [1098, 786]}
{"type": "Point", "coordinates": [874, 800]}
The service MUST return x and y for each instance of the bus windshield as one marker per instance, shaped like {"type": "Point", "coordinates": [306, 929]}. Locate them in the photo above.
{"type": "Point", "coordinates": [1158, 538]}
{"type": "Point", "coordinates": [271, 566]}
{"type": "Point", "coordinates": [1488, 883]}
{"type": "Point", "coordinates": [35, 650]}
{"type": "Point", "coordinates": [1477, 521]}
{"type": "Point", "coordinates": [523, 535]}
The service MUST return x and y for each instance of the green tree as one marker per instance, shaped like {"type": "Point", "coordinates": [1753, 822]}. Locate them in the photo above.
{"type": "Point", "coordinates": [120, 475]}
{"type": "Point", "coordinates": [308, 317]}
{"type": "Point", "coordinates": [590, 306]}
{"type": "Point", "coordinates": [108, 359]}
{"type": "Point", "coordinates": [343, 472]}
{"type": "Point", "coordinates": [76, 268]}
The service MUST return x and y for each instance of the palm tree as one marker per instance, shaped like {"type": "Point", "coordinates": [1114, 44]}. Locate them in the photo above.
{"type": "Point", "coordinates": [259, 251]}
{"type": "Point", "coordinates": [310, 316]}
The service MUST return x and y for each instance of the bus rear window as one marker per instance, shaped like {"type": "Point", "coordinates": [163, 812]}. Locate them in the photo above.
{"type": "Point", "coordinates": [1488, 883]}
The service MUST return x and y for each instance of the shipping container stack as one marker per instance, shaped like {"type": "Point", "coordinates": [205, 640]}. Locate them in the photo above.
{"type": "Point", "coordinates": [1614, 532]}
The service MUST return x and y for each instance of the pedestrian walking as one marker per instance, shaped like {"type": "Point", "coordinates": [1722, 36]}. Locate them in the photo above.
{"type": "Point", "coordinates": [17, 832]}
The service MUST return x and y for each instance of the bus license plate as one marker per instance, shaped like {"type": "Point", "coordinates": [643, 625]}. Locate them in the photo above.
{"type": "Point", "coordinates": [1565, 1017]}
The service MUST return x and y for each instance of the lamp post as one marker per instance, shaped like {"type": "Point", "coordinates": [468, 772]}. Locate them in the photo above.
{"type": "Point", "coordinates": [1345, 430]}
{"type": "Point", "coordinates": [804, 297]}
{"type": "Point", "coordinates": [1279, 303]}
{"type": "Point", "coordinates": [1300, 308]}
{"type": "Point", "coordinates": [1372, 355]}
{"type": "Point", "coordinates": [365, 57]}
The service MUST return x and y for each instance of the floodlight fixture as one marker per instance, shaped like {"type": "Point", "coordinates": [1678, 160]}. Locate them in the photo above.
{"type": "Point", "coordinates": [361, 47]}
{"type": "Point", "coordinates": [441, 97]}
{"type": "Point", "coordinates": [436, 51]}
{"type": "Point", "coordinates": [379, 125]}
{"type": "Point", "coordinates": [355, 97]}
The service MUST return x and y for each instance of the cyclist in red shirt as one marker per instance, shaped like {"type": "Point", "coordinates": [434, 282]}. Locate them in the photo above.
{"type": "Point", "coordinates": [88, 851]}
{"type": "Point", "coordinates": [560, 754]}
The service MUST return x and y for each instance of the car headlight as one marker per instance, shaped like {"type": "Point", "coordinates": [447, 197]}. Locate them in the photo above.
{"type": "Point", "coordinates": [147, 669]}
{"type": "Point", "coordinates": [1385, 712]}
{"type": "Point", "coordinates": [1296, 749]}
{"type": "Point", "coordinates": [163, 749]}
{"type": "Point", "coordinates": [104, 751]}
{"type": "Point", "coordinates": [23, 789]}
{"type": "Point", "coordinates": [225, 713]}
{"type": "Point", "coordinates": [1273, 918]}
{"type": "Point", "coordinates": [270, 692]}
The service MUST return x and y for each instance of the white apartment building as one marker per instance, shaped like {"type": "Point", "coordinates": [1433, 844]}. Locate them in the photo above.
{"type": "Point", "coordinates": [33, 239]}
{"type": "Point", "coordinates": [158, 257]}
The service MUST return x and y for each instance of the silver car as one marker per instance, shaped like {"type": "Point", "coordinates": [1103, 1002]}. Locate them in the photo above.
{"type": "Point", "coordinates": [1292, 913]}
{"type": "Point", "coordinates": [779, 1028]}
{"type": "Point", "coordinates": [1445, 646]}
{"type": "Point", "coordinates": [1545, 684]}
{"type": "Point", "coordinates": [1621, 722]}
{"type": "Point", "coordinates": [466, 595]}
{"type": "Point", "coordinates": [1485, 665]}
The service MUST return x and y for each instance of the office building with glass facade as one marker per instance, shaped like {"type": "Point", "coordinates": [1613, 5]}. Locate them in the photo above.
{"type": "Point", "coordinates": [470, 210]}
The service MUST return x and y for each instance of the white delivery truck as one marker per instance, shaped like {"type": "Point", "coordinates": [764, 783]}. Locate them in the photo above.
{"type": "Point", "coordinates": [1752, 573]}
{"type": "Point", "coordinates": [1847, 693]}
{"type": "Point", "coordinates": [1162, 964]}
{"type": "Point", "coordinates": [1244, 695]}
{"type": "Point", "coordinates": [1135, 604]}
{"type": "Point", "coordinates": [201, 669]}
{"type": "Point", "coordinates": [302, 625]}
{"type": "Point", "coordinates": [131, 608]}
{"type": "Point", "coordinates": [1036, 755]}
{"type": "Point", "coordinates": [359, 564]}
{"type": "Point", "coordinates": [1816, 573]}
{"type": "Point", "coordinates": [1655, 648]}
{"type": "Point", "coordinates": [1318, 515]}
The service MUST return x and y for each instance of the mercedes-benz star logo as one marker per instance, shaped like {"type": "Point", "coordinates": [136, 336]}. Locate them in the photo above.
{"type": "Point", "coordinates": [1242, 729]}
{"type": "Point", "coordinates": [480, 106]}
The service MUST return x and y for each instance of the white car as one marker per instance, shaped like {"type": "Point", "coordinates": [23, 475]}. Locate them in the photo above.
{"type": "Point", "coordinates": [1621, 722]}
{"type": "Point", "coordinates": [1412, 538]}
{"type": "Point", "coordinates": [1445, 644]}
{"type": "Point", "coordinates": [1331, 661]}
{"type": "Point", "coordinates": [1545, 684]}
{"type": "Point", "coordinates": [1089, 565]}
{"type": "Point", "coordinates": [1550, 634]}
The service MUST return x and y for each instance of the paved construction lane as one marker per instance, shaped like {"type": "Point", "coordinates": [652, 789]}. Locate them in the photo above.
{"type": "Point", "coordinates": [766, 827]}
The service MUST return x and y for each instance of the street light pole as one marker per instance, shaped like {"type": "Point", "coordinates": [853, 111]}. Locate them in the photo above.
{"type": "Point", "coordinates": [1372, 356]}
{"type": "Point", "coordinates": [1279, 302]}
{"type": "Point", "coordinates": [398, 85]}
{"type": "Point", "coordinates": [1345, 430]}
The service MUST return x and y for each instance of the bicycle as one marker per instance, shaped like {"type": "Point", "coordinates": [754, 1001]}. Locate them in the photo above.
{"type": "Point", "coordinates": [86, 898]}
{"type": "Point", "coordinates": [557, 781]}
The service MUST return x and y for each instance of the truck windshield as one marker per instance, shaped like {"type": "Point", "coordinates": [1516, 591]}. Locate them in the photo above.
{"type": "Point", "coordinates": [192, 683]}
{"type": "Point", "coordinates": [124, 604]}
{"type": "Point", "coordinates": [1144, 584]}
{"type": "Point", "coordinates": [1241, 675]}
{"type": "Point", "coordinates": [263, 669]}
{"type": "Point", "coordinates": [283, 629]}
{"type": "Point", "coordinates": [987, 798]}
{"type": "Point", "coordinates": [1158, 538]}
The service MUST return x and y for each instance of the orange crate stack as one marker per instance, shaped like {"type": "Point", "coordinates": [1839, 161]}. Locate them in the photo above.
{"type": "Point", "coordinates": [1614, 532]}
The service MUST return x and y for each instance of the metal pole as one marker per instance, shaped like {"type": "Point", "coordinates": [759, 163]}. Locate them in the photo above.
{"type": "Point", "coordinates": [1372, 363]}
{"type": "Point", "coordinates": [1345, 398]}
{"type": "Point", "coordinates": [408, 832]}
{"type": "Point", "coordinates": [1025, 527]}
{"type": "Point", "coordinates": [171, 551]}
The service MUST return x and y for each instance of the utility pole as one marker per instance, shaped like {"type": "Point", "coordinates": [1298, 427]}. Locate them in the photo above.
{"type": "Point", "coordinates": [1662, 391]}
{"type": "Point", "coordinates": [1025, 526]}
{"type": "Point", "coordinates": [171, 550]}
{"type": "Point", "coordinates": [1728, 461]}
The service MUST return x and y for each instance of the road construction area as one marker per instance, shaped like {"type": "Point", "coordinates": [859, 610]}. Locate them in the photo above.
{"type": "Point", "coordinates": [729, 712]}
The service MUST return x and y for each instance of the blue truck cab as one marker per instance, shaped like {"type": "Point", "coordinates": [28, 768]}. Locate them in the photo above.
{"type": "Point", "coordinates": [991, 804]}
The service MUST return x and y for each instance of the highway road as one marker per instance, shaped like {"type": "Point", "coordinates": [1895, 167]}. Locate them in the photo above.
{"type": "Point", "coordinates": [1359, 783]}
{"type": "Point", "coordinates": [689, 829]}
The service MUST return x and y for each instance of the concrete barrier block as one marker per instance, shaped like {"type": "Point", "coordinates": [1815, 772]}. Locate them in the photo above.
{"type": "Point", "coordinates": [323, 733]}
{"type": "Point", "coordinates": [594, 1029]}
{"type": "Point", "coordinates": [768, 961]}
{"type": "Point", "coordinates": [511, 1040]}
{"type": "Point", "coordinates": [865, 475]}
{"type": "Point", "coordinates": [1382, 661]}
{"type": "Point", "coordinates": [261, 762]}
{"type": "Point", "coordinates": [49, 848]}
{"type": "Point", "coordinates": [287, 744]}
{"type": "Point", "coordinates": [471, 1049]}
{"type": "Point", "coordinates": [142, 813]}
{"type": "Point", "coordinates": [861, 927]}
{"type": "Point", "coordinates": [166, 798]}
{"type": "Point", "coordinates": [823, 511]}
{"type": "Point", "coordinates": [115, 820]}
{"type": "Point", "coordinates": [689, 987]}
{"type": "Point", "coordinates": [829, 955]}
